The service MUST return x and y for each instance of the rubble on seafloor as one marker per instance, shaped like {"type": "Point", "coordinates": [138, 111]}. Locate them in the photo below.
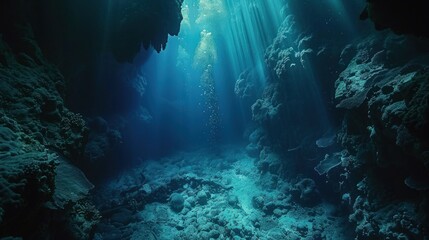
{"type": "Point", "coordinates": [204, 195]}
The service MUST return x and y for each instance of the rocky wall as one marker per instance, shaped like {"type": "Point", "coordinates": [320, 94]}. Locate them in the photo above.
{"type": "Point", "coordinates": [373, 163]}
{"type": "Point", "coordinates": [43, 194]}
{"type": "Point", "coordinates": [296, 108]}
{"type": "Point", "coordinates": [74, 33]}
{"type": "Point", "coordinates": [385, 171]}
{"type": "Point", "coordinates": [37, 135]}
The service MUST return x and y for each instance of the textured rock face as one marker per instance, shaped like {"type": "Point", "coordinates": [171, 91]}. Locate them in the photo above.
{"type": "Point", "coordinates": [247, 87]}
{"type": "Point", "coordinates": [35, 128]}
{"type": "Point", "coordinates": [71, 32]}
{"type": "Point", "coordinates": [378, 169]}
{"type": "Point", "coordinates": [386, 97]}
{"type": "Point", "coordinates": [394, 94]}
{"type": "Point", "coordinates": [297, 63]}
{"type": "Point", "coordinates": [101, 143]}
{"type": "Point", "coordinates": [146, 22]}
{"type": "Point", "coordinates": [31, 96]}
{"type": "Point", "coordinates": [403, 17]}
{"type": "Point", "coordinates": [26, 178]}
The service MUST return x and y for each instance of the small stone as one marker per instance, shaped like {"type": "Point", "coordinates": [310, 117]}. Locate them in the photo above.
{"type": "Point", "coordinates": [176, 202]}
{"type": "Point", "coordinates": [233, 200]}
{"type": "Point", "coordinates": [202, 197]}
{"type": "Point", "coordinates": [277, 212]}
{"type": "Point", "coordinates": [191, 201]}
{"type": "Point", "coordinates": [258, 202]}
{"type": "Point", "coordinates": [214, 234]}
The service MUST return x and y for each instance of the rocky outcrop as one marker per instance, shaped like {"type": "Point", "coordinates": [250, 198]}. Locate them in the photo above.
{"type": "Point", "coordinates": [76, 32]}
{"type": "Point", "coordinates": [298, 94]}
{"type": "Point", "coordinates": [384, 90]}
{"type": "Point", "coordinates": [102, 139]}
{"type": "Point", "coordinates": [35, 129]}
{"type": "Point", "coordinates": [376, 167]}
{"type": "Point", "coordinates": [31, 96]}
{"type": "Point", "coordinates": [247, 87]}
{"type": "Point", "coordinates": [146, 23]}
{"type": "Point", "coordinates": [26, 179]}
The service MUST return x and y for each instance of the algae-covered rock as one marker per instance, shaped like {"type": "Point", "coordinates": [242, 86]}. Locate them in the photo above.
{"type": "Point", "coordinates": [27, 181]}
{"type": "Point", "coordinates": [35, 126]}
{"type": "Point", "coordinates": [32, 96]}
{"type": "Point", "coordinates": [384, 89]}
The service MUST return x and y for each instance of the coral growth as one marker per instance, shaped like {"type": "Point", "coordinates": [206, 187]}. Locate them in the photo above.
{"type": "Point", "coordinates": [381, 94]}
{"type": "Point", "coordinates": [36, 128]}
{"type": "Point", "coordinates": [386, 98]}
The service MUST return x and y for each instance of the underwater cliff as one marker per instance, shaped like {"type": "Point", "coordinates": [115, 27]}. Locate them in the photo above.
{"type": "Point", "coordinates": [214, 119]}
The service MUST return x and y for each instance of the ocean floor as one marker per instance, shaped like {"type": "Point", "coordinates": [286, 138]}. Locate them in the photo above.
{"type": "Point", "coordinates": [206, 195]}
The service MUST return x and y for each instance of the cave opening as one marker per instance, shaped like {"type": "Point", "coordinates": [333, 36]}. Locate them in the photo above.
{"type": "Point", "coordinates": [213, 119]}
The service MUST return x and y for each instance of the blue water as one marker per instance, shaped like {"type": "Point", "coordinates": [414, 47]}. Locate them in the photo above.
{"type": "Point", "coordinates": [189, 87]}
{"type": "Point", "coordinates": [188, 153]}
{"type": "Point", "coordinates": [260, 120]}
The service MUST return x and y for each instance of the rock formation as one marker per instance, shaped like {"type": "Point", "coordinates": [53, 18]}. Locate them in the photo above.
{"type": "Point", "coordinates": [37, 131]}
{"type": "Point", "coordinates": [385, 91]}
{"type": "Point", "coordinates": [377, 164]}
{"type": "Point", "coordinates": [44, 195]}
{"type": "Point", "coordinates": [72, 33]}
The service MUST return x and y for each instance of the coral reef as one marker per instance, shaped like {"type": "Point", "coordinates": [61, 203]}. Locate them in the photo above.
{"type": "Point", "coordinates": [267, 108]}
{"type": "Point", "coordinates": [40, 111]}
{"type": "Point", "coordinates": [35, 130]}
{"type": "Point", "coordinates": [378, 159]}
{"type": "Point", "coordinates": [387, 155]}
{"type": "Point", "coordinates": [333, 147]}
{"type": "Point", "coordinates": [80, 220]}
{"type": "Point", "coordinates": [298, 92]}
{"type": "Point", "coordinates": [26, 180]}
{"type": "Point", "coordinates": [247, 87]}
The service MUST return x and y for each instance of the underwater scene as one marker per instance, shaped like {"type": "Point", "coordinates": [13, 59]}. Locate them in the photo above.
{"type": "Point", "coordinates": [214, 119]}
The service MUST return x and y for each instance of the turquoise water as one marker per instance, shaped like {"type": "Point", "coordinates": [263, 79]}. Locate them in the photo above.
{"type": "Point", "coordinates": [191, 83]}
{"type": "Point", "coordinates": [197, 72]}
